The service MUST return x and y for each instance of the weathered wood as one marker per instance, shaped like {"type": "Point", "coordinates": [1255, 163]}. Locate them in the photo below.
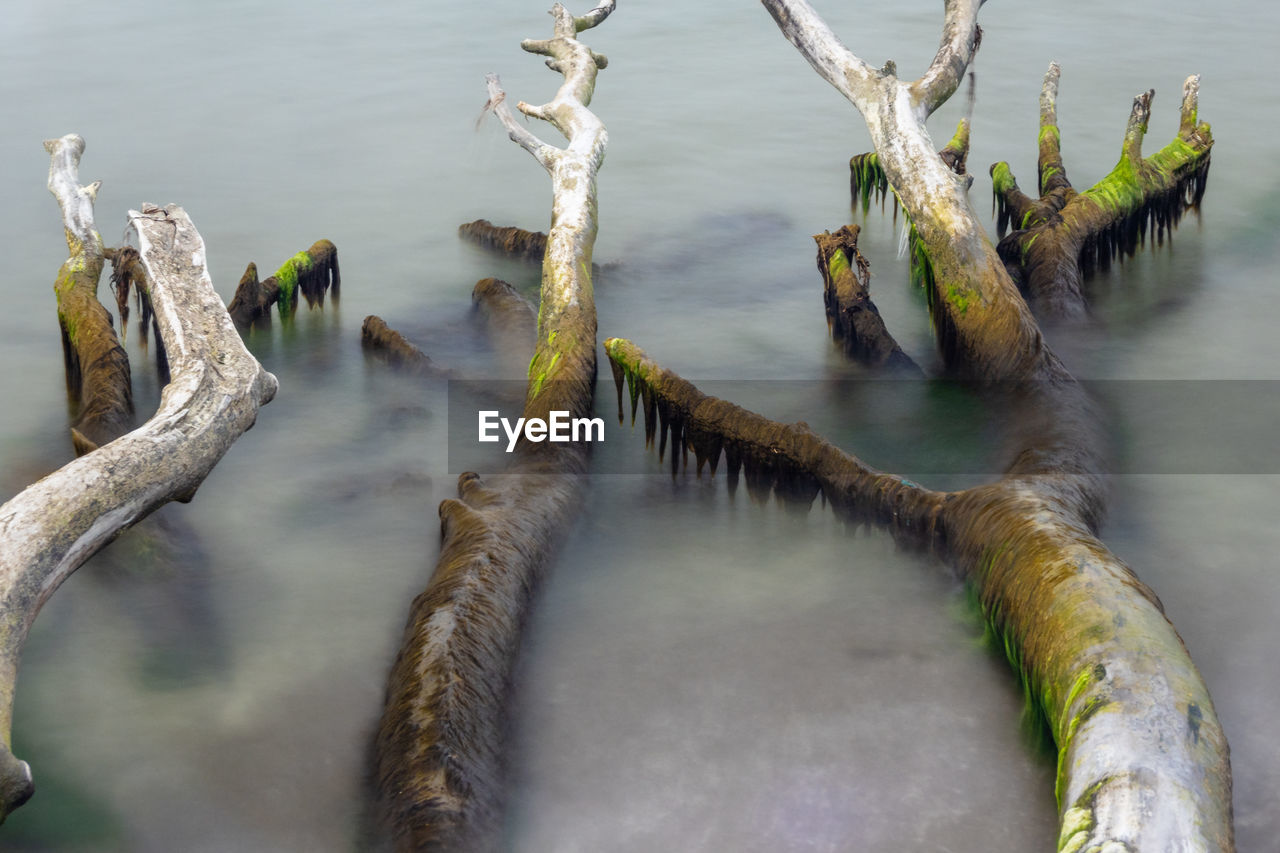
{"type": "Point", "coordinates": [1064, 235]}
{"type": "Point", "coordinates": [853, 318]}
{"type": "Point", "coordinates": [394, 348]}
{"type": "Point", "coordinates": [215, 390]}
{"type": "Point", "coordinates": [312, 273]}
{"type": "Point", "coordinates": [98, 378]}
{"type": "Point", "coordinates": [437, 752]}
{"type": "Point", "coordinates": [511, 321]}
{"type": "Point", "coordinates": [1143, 763]}
{"type": "Point", "coordinates": [507, 240]}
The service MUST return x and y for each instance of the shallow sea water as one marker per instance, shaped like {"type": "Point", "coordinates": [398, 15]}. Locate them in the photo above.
{"type": "Point", "coordinates": [701, 672]}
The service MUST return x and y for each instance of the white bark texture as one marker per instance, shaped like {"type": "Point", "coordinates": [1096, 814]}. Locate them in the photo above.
{"type": "Point", "coordinates": [1143, 763]}
{"type": "Point", "coordinates": [216, 388]}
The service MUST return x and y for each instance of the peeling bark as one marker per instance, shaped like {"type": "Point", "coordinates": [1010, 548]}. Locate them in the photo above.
{"type": "Point", "coordinates": [437, 755]}
{"type": "Point", "coordinates": [215, 391]}
{"type": "Point", "coordinates": [1064, 235]}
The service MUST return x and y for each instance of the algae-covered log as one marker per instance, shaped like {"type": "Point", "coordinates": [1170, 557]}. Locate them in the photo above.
{"type": "Point", "coordinates": [312, 273]}
{"type": "Point", "coordinates": [1142, 758]}
{"type": "Point", "coordinates": [98, 379]}
{"type": "Point", "coordinates": [1065, 234]}
{"type": "Point", "coordinates": [213, 396]}
{"type": "Point", "coordinates": [438, 747]}
{"type": "Point", "coordinates": [854, 320]}
{"type": "Point", "coordinates": [1143, 764]}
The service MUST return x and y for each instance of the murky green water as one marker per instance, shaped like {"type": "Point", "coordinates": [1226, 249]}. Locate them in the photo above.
{"type": "Point", "coordinates": [702, 673]}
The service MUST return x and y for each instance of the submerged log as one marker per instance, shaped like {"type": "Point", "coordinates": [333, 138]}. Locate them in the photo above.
{"type": "Point", "coordinates": [507, 240]}
{"type": "Point", "coordinates": [394, 348]}
{"type": "Point", "coordinates": [512, 324]}
{"type": "Point", "coordinates": [1143, 763]}
{"type": "Point", "coordinates": [437, 754]}
{"type": "Point", "coordinates": [853, 318]}
{"type": "Point", "coordinates": [1064, 235]}
{"type": "Point", "coordinates": [56, 524]}
{"type": "Point", "coordinates": [311, 273]}
{"type": "Point", "coordinates": [98, 379]}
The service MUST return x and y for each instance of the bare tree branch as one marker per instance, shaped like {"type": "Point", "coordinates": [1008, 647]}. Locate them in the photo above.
{"type": "Point", "coordinates": [439, 745]}
{"type": "Point", "coordinates": [97, 368]}
{"type": "Point", "coordinates": [959, 40]}
{"type": "Point", "coordinates": [213, 396]}
{"type": "Point", "coordinates": [834, 62]}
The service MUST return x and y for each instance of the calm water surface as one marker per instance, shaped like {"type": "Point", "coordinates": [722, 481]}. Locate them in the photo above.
{"type": "Point", "coordinates": [702, 673]}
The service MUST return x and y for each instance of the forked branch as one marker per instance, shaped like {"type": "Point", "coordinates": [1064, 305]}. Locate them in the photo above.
{"type": "Point", "coordinates": [215, 390]}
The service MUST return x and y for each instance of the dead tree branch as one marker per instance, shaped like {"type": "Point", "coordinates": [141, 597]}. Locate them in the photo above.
{"type": "Point", "coordinates": [438, 748]}
{"type": "Point", "coordinates": [98, 378]}
{"type": "Point", "coordinates": [215, 390]}
{"type": "Point", "coordinates": [1143, 762]}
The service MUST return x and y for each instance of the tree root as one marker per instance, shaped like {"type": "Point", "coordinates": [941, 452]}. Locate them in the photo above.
{"type": "Point", "coordinates": [394, 348]}
{"type": "Point", "coordinates": [310, 273]}
{"type": "Point", "coordinates": [1064, 235]}
{"type": "Point", "coordinates": [852, 317]}
{"type": "Point", "coordinates": [1098, 660]}
{"type": "Point", "coordinates": [512, 324]}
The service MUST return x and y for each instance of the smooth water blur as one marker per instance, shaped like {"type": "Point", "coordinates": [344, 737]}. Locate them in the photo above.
{"type": "Point", "coordinates": [701, 673]}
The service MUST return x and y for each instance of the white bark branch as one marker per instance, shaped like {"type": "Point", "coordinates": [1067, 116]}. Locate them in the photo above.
{"type": "Point", "coordinates": [959, 35]}
{"type": "Point", "coordinates": [215, 390]}
{"type": "Point", "coordinates": [595, 17]}
{"type": "Point", "coordinates": [834, 62]}
{"type": "Point", "coordinates": [76, 201]}
{"type": "Point", "coordinates": [521, 135]}
{"type": "Point", "coordinates": [439, 746]}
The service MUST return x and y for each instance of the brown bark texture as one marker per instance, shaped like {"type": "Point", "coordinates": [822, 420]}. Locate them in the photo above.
{"type": "Point", "coordinates": [437, 762]}
{"type": "Point", "coordinates": [1064, 235]}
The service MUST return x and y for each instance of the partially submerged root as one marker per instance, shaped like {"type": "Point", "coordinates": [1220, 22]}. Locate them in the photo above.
{"type": "Point", "coordinates": [1065, 235]}
{"type": "Point", "coordinates": [253, 300]}
{"type": "Point", "coordinates": [99, 383]}
{"type": "Point", "coordinates": [789, 460]}
{"type": "Point", "coordinates": [511, 241]}
{"type": "Point", "coordinates": [311, 273]}
{"type": "Point", "coordinates": [392, 347]}
{"type": "Point", "coordinates": [438, 751]}
{"type": "Point", "coordinates": [512, 324]}
{"type": "Point", "coordinates": [853, 318]}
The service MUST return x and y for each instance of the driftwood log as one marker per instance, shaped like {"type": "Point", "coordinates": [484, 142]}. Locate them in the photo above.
{"type": "Point", "coordinates": [215, 390]}
{"type": "Point", "coordinates": [1142, 759]}
{"type": "Point", "coordinates": [437, 755]}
